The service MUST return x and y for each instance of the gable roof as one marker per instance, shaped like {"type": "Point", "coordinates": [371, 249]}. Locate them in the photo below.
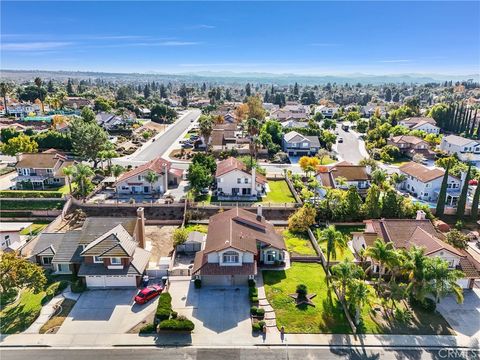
{"type": "Point", "coordinates": [69, 249]}
{"type": "Point", "coordinates": [156, 165]}
{"type": "Point", "coordinates": [293, 135]}
{"type": "Point", "coordinates": [231, 164]}
{"type": "Point", "coordinates": [420, 120]}
{"type": "Point", "coordinates": [115, 242]}
{"type": "Point", "coordinates": [328, 174]}
{"type": "Point", "coordinates": [458, 140]}
{"type": "Point", "coordinates": [46, 160]}
{"type": "Point", "coordinates": [94, 227]}
{"type": "Point", "coordinates": [431, 243]}
{"type": "Point", "coordinates": [47, 244]}
{"type": "Point", "coordinates": [407, 139]}
{"type": "Point", "coordinates": [240, 229]}
{"type": "Point", "coordinates": [421, 172]}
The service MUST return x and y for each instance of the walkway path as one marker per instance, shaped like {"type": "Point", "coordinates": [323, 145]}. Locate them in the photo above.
{"type": "Point", "coordinates": [270, 318]}
{"type": "Point", "coordinates": [49, 309]}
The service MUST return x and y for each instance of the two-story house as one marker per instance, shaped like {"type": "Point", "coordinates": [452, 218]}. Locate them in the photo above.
{"type": "Point", "coordinates": [10, 238]}
{"type": "Point", "coordinates": [112, 122]}
{"type": "Point", "coordinates": [136, 181]}
{"type": "Point", "coordinates": [343, 175]}
{"type": "Point", "coordinates": [40, 170]}
{"type": "Point", "coordinates": [424, 183]}
{"type": "Point", "coordinates": [296, 144]}
{"type": "Point", "coordinates": [105, 252]}
{"type": "Point", "coordinates": [290, 112]}
{"type": "Point", "coordinates": [233, 180]}
{"type": "Point", "coordinates": [327, 111]}
{"type": "Point", "coordinates": [467, 150]}
{"type": "Point", "coordinates": [411, 145]}
{"type": "Point", "coordinates": [419, 232]}
{"type": "Point", "coordinates": [427, 124]}
{"type": "Point", "coordinates": [237, 242]}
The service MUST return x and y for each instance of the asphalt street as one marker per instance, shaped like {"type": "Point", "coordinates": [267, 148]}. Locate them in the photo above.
{"type": "Point", "coordinates": [349, 150]}
{"type": "Point", "coordinates": [264, 353]}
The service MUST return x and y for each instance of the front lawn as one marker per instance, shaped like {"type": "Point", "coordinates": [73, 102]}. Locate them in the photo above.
{"type": "Point", "coordinates": [279, 193]}
{"type": "Point", "coordinates": [327, 160]}
{"type": "Point", "coordinates": [19, 316]}
{"type": "Point", "coordinates": [34, 229]}
{"type": "Point", "coordinates": [326, 317]}
{"type": "Point", "coordinates": [298, 243]}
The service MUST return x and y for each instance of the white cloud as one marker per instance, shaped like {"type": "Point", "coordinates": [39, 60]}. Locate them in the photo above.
{"type": "Point", "coordinates": [34, 46]}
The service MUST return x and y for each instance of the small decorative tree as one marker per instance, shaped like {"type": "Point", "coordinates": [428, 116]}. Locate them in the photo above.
{"type": "Point", "coordinates": [301, 291]}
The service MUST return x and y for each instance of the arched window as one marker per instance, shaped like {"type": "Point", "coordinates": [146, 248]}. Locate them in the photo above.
{"type": "Point", "coordinates": [230, 257]}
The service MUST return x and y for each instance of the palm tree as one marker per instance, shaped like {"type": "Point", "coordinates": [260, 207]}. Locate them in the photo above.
{"type": "Point", "coordinates": [60, 97]}
{"type": "Point", "coordinates": [81, 175]}
{"type": "Point", "coordinates": [253, 128]}
{"type": "Point", "coordinates": [382, 253]}
{"type": "Point", "coordinates": [205, 124]}
{"type": "Point", "coordinates": [117, 170]}
{"type": "Point", "coordinates": [378, 177]}
{"type": "Point", "coordinates": [396, 179]}
{"type": "Point", "coordinates": [5, 89]}
{"type": "Point", "coordinates": [357, 295]}
{"type": "Point", "coordinates": [152, 178]}
{"type": "Point", "coordinates": [369, 162]}
{"type": "Point", "coordinates": [414, 266]}
{"type": "Point", "coordinates": [39, 83]}
{"type": "Point", "coordinates": [335, 241]}
{"type": "Point", "coordinates": [443, 280]}
{"type": "Point", "coordinates": [343, 273]}
{"type": "Point", "coordinates": [68, 171]}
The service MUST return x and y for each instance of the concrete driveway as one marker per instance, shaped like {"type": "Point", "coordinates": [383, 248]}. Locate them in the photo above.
{"type": "Point", "coordinates": [221, 314]}
{"type": "Point", "coordinates": [106, 312]}
{"type": "Point", "coordinates": [465, 317]}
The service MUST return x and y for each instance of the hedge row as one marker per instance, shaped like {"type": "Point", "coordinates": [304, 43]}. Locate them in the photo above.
{"type": "Point", "coordinates": [32, 205]}
{"type": "Point", "coordinates": [30, 194]}
{"type": "Point", "coordinates": [179, 324]}
{"type": "Point", "coordinates": [164, 307]}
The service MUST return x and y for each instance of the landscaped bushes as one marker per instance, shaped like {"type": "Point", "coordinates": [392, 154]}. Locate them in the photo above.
{"type": "Point", "coordinates": [198, 283]}
{"type": "Point", "coordinates": [253, 294]}
{"type": "Point", "coordinates": [258, 326]}
{"type": "Point", "coordinates": [257, 312]}
{"type": "Point", "coordinates": [30, 194]}
{"type": "Point", "coordinates": [164, 307]}
{"type": "Point", "coordinates": [53, 290]}
{"type": "Point", "coordinates": [77, 286]}
{"type": "Point", "coordinates": [181, 323]}
{"type": "Point", "coordinates": [148, 329]}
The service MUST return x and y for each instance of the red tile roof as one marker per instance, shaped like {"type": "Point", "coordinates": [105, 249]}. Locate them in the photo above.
{"type": "Point", "coordinates": [230, 164]}
{"type": "Point", "coordinates": [155, 165]}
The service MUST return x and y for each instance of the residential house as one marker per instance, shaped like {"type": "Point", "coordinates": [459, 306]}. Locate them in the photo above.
{"type": "Point", "coordinates": [23, 110]}
{"type": "Point", "coordinates": [113, 122]}
{"type": "Point", "coordinates": [135, 181]}
{"type": "Point", "coordinates": [467, 150]}
{"type": "Point", "coordinates": [291, 124]}
{"type": "Point", "coordinates": [427, 124]}
{"type": "Point", "coordinates": [40, 170]}
{"type": "Point", "coordinates": [237, 242]}
{"type": "Point", "coordinates": [298, 145]}
{"type": "Point", "coordinates": [411, 145]}
{"type": "Point", "coordinates": [327, 111]}
{"type": "Point", "coordinates": [343, 175]}
{"type": "Point", "coordinates": [145, 113]}
{"type": "Point", "coordinates": [369, 110]}
{"type": "Point", "coordinates": [424, 183]}
{"type": "Point", "coordinates": [420, 232]}
{"type": "Point", "coordinates": [233, 180]}
{"type": "Point", "coordinates": [10, 238]}
{"type": "Point", "coordinates": [105, 252]}
{"type": "Point", "coordinates": [291, 111]}
{"type": "Point", "coordinates": [77, 102]}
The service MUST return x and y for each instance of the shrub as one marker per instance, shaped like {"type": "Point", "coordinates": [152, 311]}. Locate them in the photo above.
{"type": "Point", "coordinates": [253, 310]}
{"type": "Point", "coordinates": [30, 194]}
{"type": "Point", "coordinates": [198, 283]}
{"type": "Point", "coordinates": [256, 326]}
{"type": "Point", "coordinates": [148, 329]}
{"type": "Point", "coordinates": [8, 296]}
{"type": "Point", "coordinates": [180, 236]}
{"type": "Point", "coordinates": [57, 287]}
{"type": "Point", "coordinates": [429, 305]}
{"type": "Point", "coordinates": [179, 324]}
{"type": "Point", "coordinates": [254, 299]}
{"type": "Point", "coordinates": [252, 292]}
{"type": "Point", "coordinates": [164, 307]}
{"type": "Point", "coordinates": [403, 315]}
{"type": "Point", "coordinates": [301, 290]}
{"type": "Point", "coordinates": [260, 312]}
{"type": "Point", "coordinates": [251, 283]}
{"type": "Point", "coordinates": [174, 314]}
{"type": "Point", "coordinates": [77, 286]}
{"type": "Point", "coordinates": [262, 324]}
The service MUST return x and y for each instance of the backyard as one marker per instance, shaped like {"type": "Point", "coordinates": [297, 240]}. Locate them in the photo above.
{"type": "Point", "coordinates": [35, 228]}
{"type": "Point", "coordinates": [279, 193]}
{"type": "Point", "coordinates": [298, 244]}
{"type": "Point", "coordinates": [342, 254]}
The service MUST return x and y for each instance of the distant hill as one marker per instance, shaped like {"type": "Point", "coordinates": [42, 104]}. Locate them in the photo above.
{"type": "Point", "coordinates": [238, 78]}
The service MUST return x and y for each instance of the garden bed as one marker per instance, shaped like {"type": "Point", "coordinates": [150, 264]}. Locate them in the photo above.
{"type": "Point", "coordinates": [52, 325]}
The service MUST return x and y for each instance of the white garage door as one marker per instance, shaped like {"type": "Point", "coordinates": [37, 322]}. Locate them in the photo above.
{"type": "Point", "coordinates": [216, 280]}
{"type": "Point", "coordinates": [111, 281]}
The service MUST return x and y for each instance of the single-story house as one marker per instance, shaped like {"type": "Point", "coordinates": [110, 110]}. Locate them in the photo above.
{"type": "Point", "coordinates": [343, 175]}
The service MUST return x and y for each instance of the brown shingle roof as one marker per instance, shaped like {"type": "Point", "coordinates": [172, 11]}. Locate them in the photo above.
{"type": "Point", "coordinates": [421, 172]}
{"type": "Point", "coordinates": [115, 242]}
{"type": "Point", "coordinates": [430, 242]}
{"type": "Point", "coordinates": [155, 165]}
{"type": "Point", "coordinates": [230, 164]}
{"type": "Point", "coordinates": [343, 169]}
{"type": "Point", "coordinates": [39, 160]}
{"type": "Point", "coordinates": [94, 227]}
{"type": "Point", "coordinates": [240, 229]}
{"type": "Point", "coordinates": [407, 139]}
{"type": "Point", "coordinates": [202, 267]}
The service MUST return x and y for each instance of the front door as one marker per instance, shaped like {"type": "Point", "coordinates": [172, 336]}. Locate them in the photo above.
{"type": "Point", "coordinates": [145, 189]}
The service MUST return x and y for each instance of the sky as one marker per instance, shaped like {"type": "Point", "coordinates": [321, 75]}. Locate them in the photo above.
{"type": "Point", "coordinates": [380, 37]}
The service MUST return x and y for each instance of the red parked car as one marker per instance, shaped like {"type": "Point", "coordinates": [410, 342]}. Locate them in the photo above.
{"type": "Point", "coordinates": [148, 293]}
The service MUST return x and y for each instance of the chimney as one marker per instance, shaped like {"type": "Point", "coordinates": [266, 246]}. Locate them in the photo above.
{"type": "Point", "coordinates": [254, 181]}
{"type": "Point", "coordinates": [259, 213]}
{"type": "Point", "coordinates": [165, 177]}
{"type": "Point", "coordinates": [420, 215]}
{"type": "Point", "coordinates": [140, 227]}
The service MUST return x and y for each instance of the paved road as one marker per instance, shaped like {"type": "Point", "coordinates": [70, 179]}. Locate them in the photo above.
{"type": "Point", "coordinates": [349, 150]}
{"type": "Point", "coordinates": [163, 142]}
{"type": "Point", "coordinates": [264, 353]}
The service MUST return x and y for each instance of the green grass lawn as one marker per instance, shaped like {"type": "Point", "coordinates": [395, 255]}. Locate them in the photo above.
{"type": "Point", "coordinates": [33, 229]}
{"type": "Point", "coordinates": [19, 316]}
{"type": "Point", "coordinates": [343, 254]}
{"type": "Point", "coordinates": [32, 205]}
{"type": "Point", "coordinates": [298, 243]}
{"type": "Point", "coordinates": [327, 160]}
{"type": "Point", "coordinates": [279, 193]}
{"type": "Point", "coordinates": [206, 199]}
{"type": "Point", "coordinates": [197, 227]}
{"type": "Point", "coordinates": [326, 317]}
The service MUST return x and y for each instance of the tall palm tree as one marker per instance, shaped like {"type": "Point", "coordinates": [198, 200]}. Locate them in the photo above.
{"type": "Point", "coordinates": [343, 273]}
{"type": "Point", "coordinates": [117, 170]}
{"type": "Point", "coordinates": [61, 96]}
{"type": "Point", "coordinates": [443, 280]}
{"type": "Point", "coordinates": [205, 124]}
{"type": "Point", "coordinates": [253, 128]}
{"type": "Point", "coordinates": [335, 241]}
{"type": "Point", "coordinates": [38, 83]}
{"type": "Point", "coordinates": [414, 266]}
{"type": "Point", "coordinates": [378, 177]}
{"type": "Point", "coordinates": [152, 178]}
{"type": "Point", "coordinates": [396, 179]}
{"type": "Point", "coordinates": [5, 89]}
{"type": "Point", "coordinates": [81, 175]}
{"type": "Point", "coordinates": [358, 295]}
{"type": "Point", "coordinates": [68, 171]}
{"type": "Point", "coordinates": [382, 253]}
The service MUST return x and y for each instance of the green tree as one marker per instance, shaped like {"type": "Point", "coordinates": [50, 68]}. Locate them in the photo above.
{"type": "Point", "coordinates": [161, 113]}
{"type": "Point", "coordinates": [442, 195]}
{"type": "Point", "coordinates": [152, 178]}
{"type": "Point", "coordinates": [391, 204]}
{"type": "Point", "coordinates": [443, 280]}
{"type": "Point", "coordinates": [117, 170]}
{"type": "Point", "coordinates": [357, 296]}
{"type": "Point", "coordinates": [207, 161]}
{"type": "Point", "coordinates": [18, 272]}
{"type": "Point", "coordinates": [82, 175]}
{"type": "Point", "coordinates": [302, 219]}
{"type": "Point", "coordinates": [353, 204]}
{"type": "Point", "coordinates": [382, 253]}
{"type": "Point", "coordinates": [462, 201]}
{"type": "Point", "coordinates": [41, 92]}
{"type": "Point", "coordinates": [205, 124]}
{"type": "Point", "coordinates": [475, 202]}
{"type": "Point", "coordinates": [199, 177]}
{"type": "Point", "coordinates": [343, 274]}
{"type": "Point", "coordinates": [19, 144]}
{"type": "Point", "coordinates": [180, 236]}
{"type": "Point", "coordinates": [88, 139]}
{"type": "Point", "coordinates": [87, 115]}
{"type": "Point", "coordinates": [68, 171]}
{"type": "Point", "coordinates": [5, 89]}
{"type": "Point", "coordinates": [335, 241]}
{"type": "Point", "coordinates": [457, 239]}
{"type": "Point", "coordinates": [372, 206]}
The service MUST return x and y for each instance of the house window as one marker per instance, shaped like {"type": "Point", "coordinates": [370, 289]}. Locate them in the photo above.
{"type": "Point", "coordinates": [49, 171]}
{"type": "Point", "coordinates": [97, 260]}
{"type": "Point", "coordinates": [116, 261]}
{"type": "Point", "coordinates": [47, 260]}
{"type": "Point", "coordinates": [230, 257]}
{"type": "Point", "coordinates": [270, 256]}
{"type": "Point", "coordinates": [56, 180]}
{"type": "Point", "coordinates": [245, 180]}
{"type": "Point", "coordinates": [239, 180]}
